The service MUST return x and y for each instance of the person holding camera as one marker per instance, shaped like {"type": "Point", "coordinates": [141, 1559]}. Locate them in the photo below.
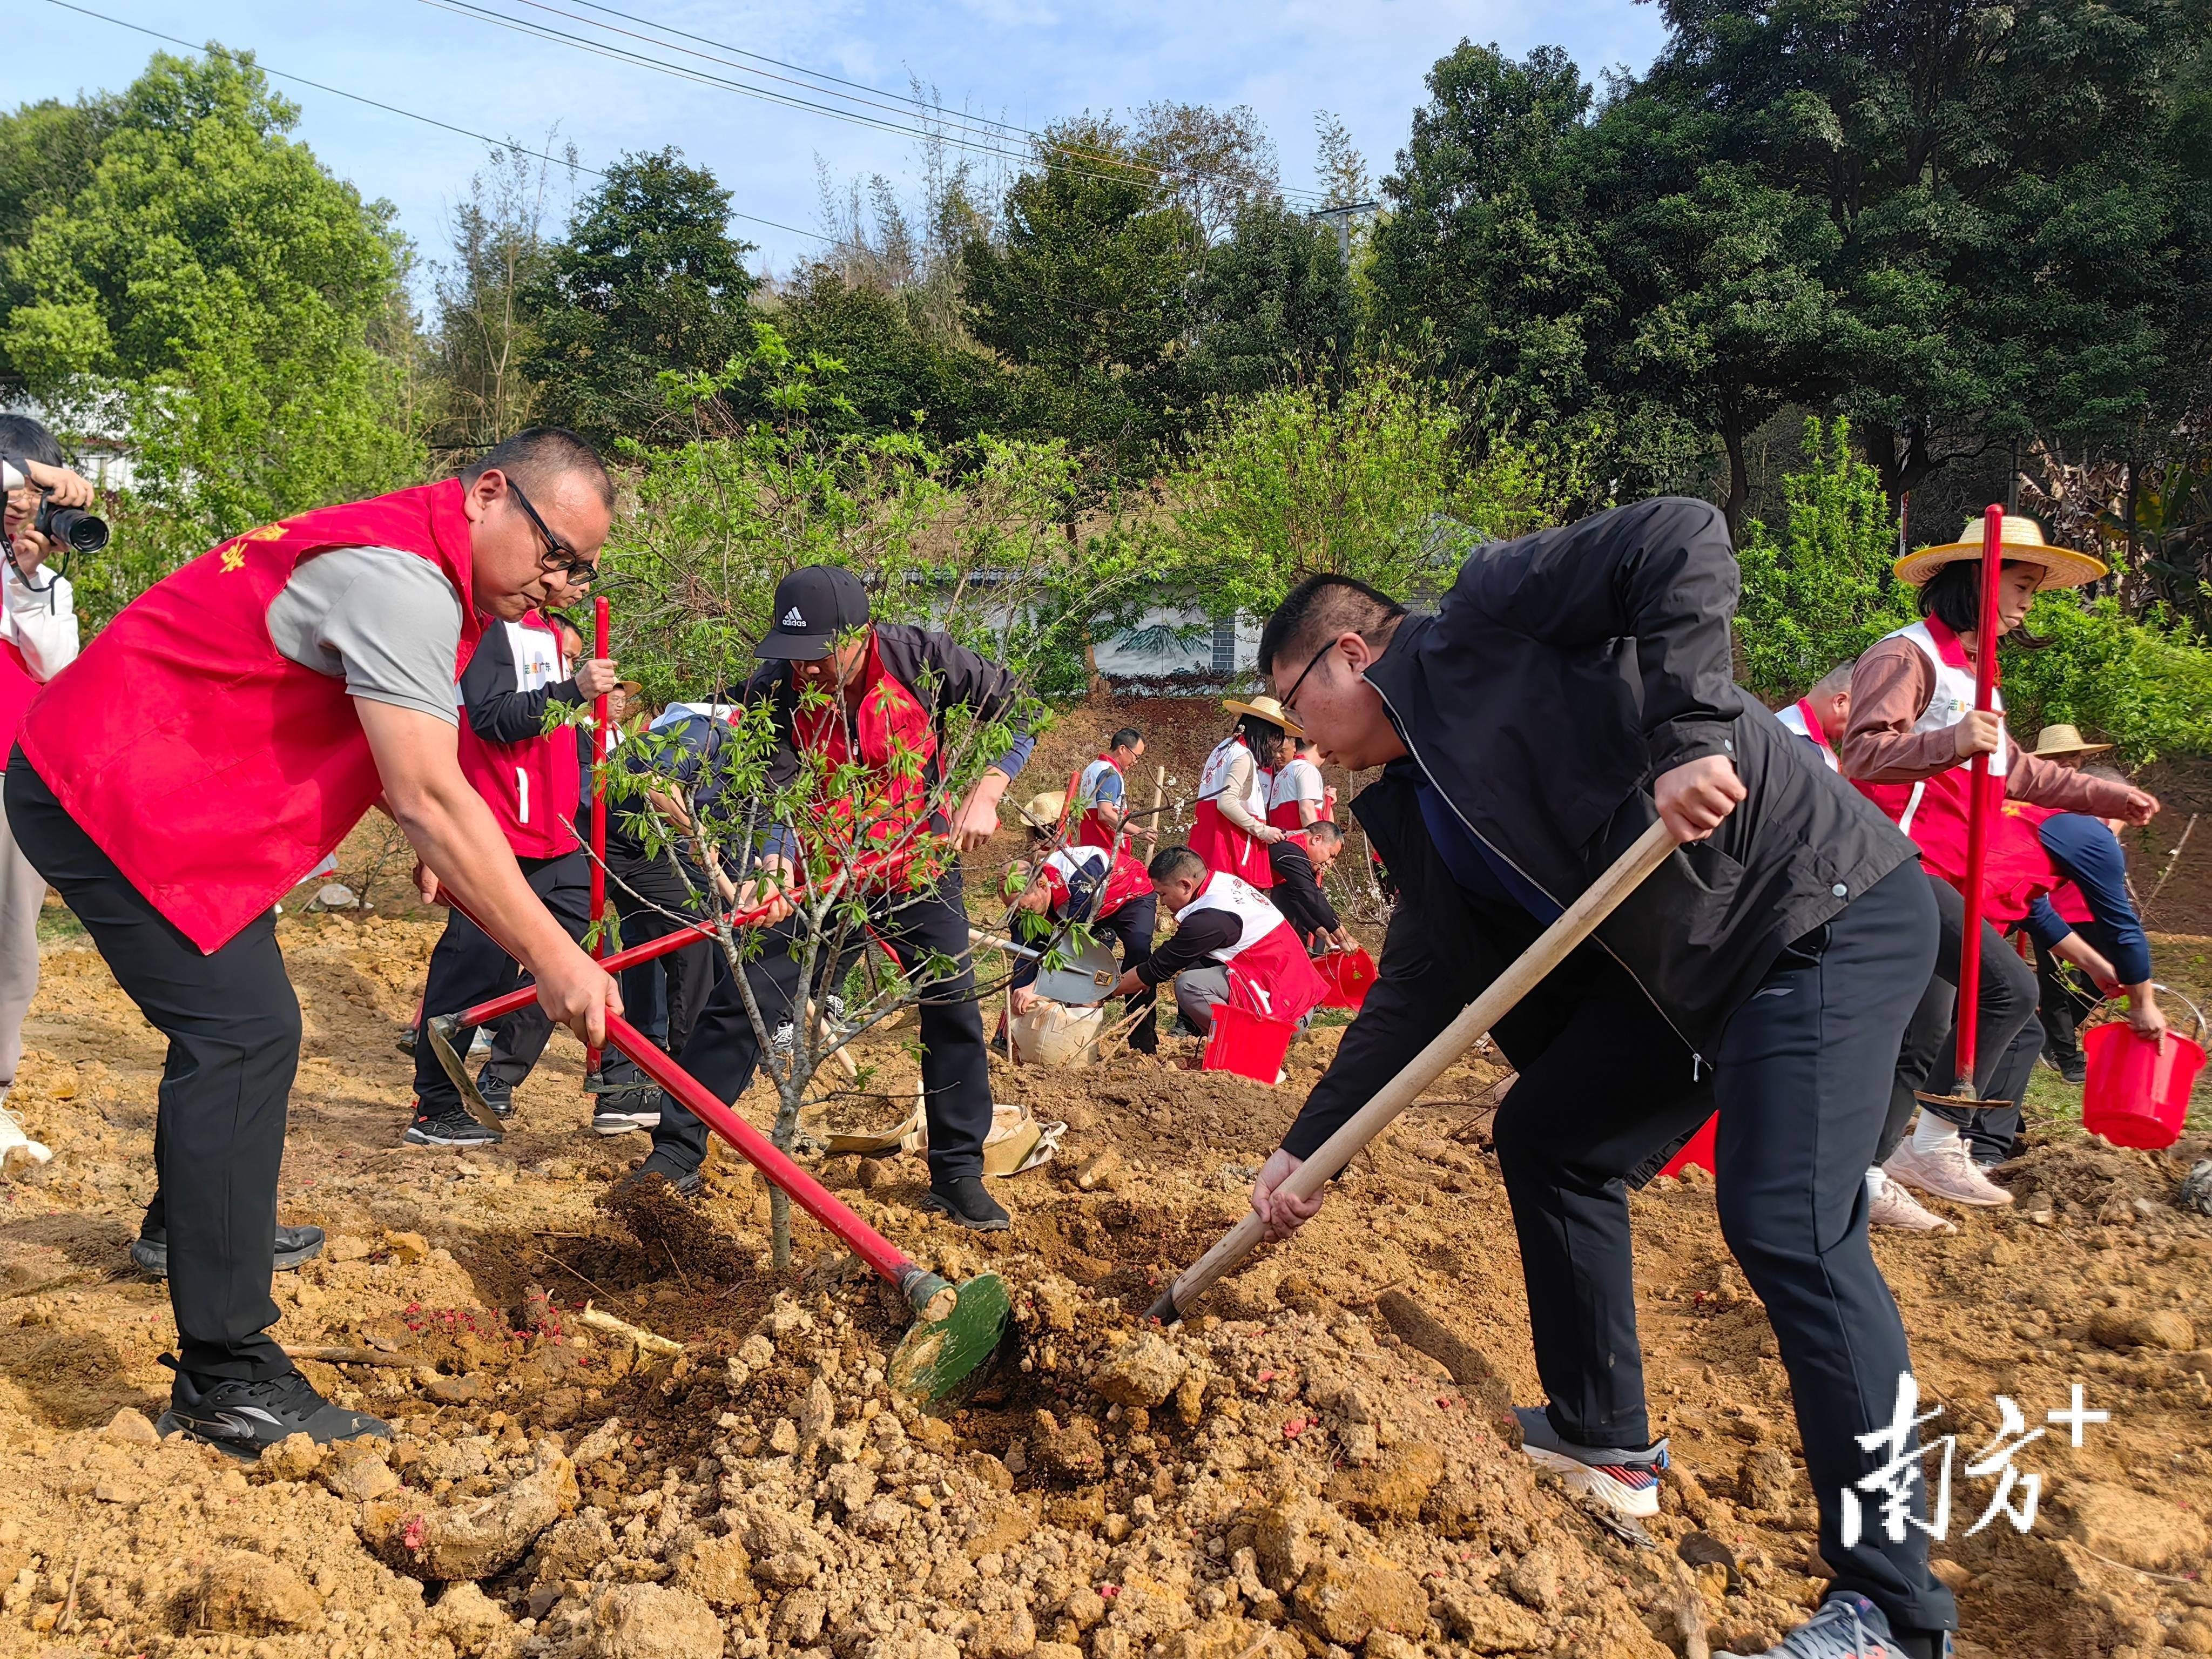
{"type": "Point", "coordinates": [38, 640]}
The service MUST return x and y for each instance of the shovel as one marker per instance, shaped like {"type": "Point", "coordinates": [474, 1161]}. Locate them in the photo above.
{"type": "Point", "coordinates": [1978, 813]}
{"type": "Point", "coordinates": [1082, 978]}
{"type": "Point", "coordinates": [1551, 947]}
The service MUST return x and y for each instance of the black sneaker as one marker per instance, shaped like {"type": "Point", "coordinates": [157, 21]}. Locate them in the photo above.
{"type": "Point", "coordinates": [498, 1093]}
{"type": "Point", "coordinates": [966, 1201]}
{"type": "Point", "coordinates": [149, 1252]}
{"type": "Point", "coordinates": [685, 1184]}
{"type": "Point", "coordinates": [632, 1108]}
{"type": "Point", "coordinates": [452, 1127]}
{"type": "Point", "coordinates": [2074, 1068]}
{"type": "Point", "coordinates": [246, 1418]}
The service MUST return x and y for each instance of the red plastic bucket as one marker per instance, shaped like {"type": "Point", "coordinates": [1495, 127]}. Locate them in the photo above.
{"type": "Point", "coordinates": [1250, 1045]}
{"type": "Point", "coordinates": [1347, 974]}
{"type": "Point", "coordinates": [1698, 1150]}
{"type": "Point", "coordinates": [2136, 1095]}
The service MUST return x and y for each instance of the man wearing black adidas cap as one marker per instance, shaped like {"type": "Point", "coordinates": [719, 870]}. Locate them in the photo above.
{"type": "Point", "coordinates": [888, 687]}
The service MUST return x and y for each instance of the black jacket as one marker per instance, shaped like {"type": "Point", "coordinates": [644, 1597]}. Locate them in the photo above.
{"type": "Point", "coordinates": [1562, 672]}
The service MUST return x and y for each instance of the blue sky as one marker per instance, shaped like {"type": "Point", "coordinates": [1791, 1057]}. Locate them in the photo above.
{"type": "Point", "coordinates": [1027, 63]}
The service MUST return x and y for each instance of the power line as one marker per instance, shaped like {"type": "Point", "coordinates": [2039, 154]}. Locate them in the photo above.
{"type": "Point", "coordinates": [700, 78]}
{"type": "Point", "coordinates": [394, 109]}
{"type": "Point", "coordinates": [984, 124]}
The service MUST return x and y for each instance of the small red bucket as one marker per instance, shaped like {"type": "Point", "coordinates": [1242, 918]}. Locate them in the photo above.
{"type": "Point", "coordinates": [1698, 1150]}
{"type": "Point", "coordinates": [1347, 974]}
{"type": "Point", "coordinates": [1251, 1045]}
{"type": "Point", "coordinates": [2138, 1094]}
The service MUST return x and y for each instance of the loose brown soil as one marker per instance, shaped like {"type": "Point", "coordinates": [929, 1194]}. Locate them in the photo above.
{"type": "Point", "coordinates": [1284, 1475]}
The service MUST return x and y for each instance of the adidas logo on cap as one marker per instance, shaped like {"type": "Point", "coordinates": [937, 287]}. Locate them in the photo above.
{"type": "Point", "coordinates": [793, 619]}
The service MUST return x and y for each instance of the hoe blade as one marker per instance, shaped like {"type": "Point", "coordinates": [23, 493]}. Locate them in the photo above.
{"type": "Point", "coordinates": [956, 1330]}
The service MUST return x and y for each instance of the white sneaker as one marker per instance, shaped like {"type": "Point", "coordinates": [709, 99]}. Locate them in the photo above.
{"type": "Point", "coordinates": [1892, 1207]}
{"type": "Point", "coordinates": [1948, 1173]}
{"type": "Point", "coordinates": [18, 1152]}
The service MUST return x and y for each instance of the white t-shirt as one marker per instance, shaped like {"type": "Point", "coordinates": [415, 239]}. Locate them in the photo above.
{"type": "Point", "coordinates": [1300, 780]}
{"type": "Point", "coordinates": [39, 622]}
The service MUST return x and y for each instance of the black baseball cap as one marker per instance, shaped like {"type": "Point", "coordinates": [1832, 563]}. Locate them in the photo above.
{"type": "Point", "coordinates": [813, 606]}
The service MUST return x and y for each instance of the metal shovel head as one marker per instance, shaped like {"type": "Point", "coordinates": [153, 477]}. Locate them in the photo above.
{"type": "Point", "coordinates": [946, 1344]}
{"type": "Point", "coordinates": [442, 1028]}
{"type": "Point", "coordinates": [1083, 978]}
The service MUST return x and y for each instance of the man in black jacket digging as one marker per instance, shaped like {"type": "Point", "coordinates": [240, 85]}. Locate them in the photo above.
{"type": "Point", "coordinates": [1573, 685]}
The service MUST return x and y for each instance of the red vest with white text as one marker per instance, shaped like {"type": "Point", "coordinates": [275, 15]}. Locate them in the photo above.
{"type": "Point", "coordinates": [531, 787]}
{"type": "Point", "coordinates": [1800, 718]}
{"type": "Point", "coordinates": [1088, 831]}
{"type": "Point", "coordinates": [1933, 810]}
{"type": "Point", "coordinates": [1212, 837]}
{"type": "Point", "coordinates": [1125, 881]}
{"type": "Point", "coordinates": [214, 771]}
{"type": "Point", "coordinates": [1269, 972]}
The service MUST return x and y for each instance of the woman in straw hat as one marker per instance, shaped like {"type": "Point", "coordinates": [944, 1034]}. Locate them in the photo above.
{"type": "Point", "coordinates": [1913, 734]}
{"type": "Point", "coordinates": [1230, 829]}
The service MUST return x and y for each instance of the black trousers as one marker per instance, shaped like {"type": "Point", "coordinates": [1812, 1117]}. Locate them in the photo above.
{"type": "Point", "coordinates": [2005, 1037]}
{"type": "Point", "coordinates": [1132, 924]}
{"type": "Point", "coordinates": [467, 966]}
{"type": "Point", "coordinates": [1801, 1081]}
{"type": "Point", "coordinates": [2061, 1004]}
{"type": "Point", "coordinates": [664, 996]}
{"type": "Point", "coordinates": [234, 1030]}
{"type": "Point", "coordinates": [956, 1072]}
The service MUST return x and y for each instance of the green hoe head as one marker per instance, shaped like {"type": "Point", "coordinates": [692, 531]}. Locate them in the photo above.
{"type": "Point", "coordinates": [957, 1328]}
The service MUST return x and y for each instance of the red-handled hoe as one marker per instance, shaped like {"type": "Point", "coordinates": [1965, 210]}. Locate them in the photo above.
{"type": "Point", "coordinates": [956, 1327]}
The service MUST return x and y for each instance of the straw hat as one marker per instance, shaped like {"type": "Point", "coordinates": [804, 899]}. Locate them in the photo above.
{"type": "Point", "coordinates": [1266, 708]}
{"type": "Point", "coordinates": [2023, 544]}
{"type": "Point", "coordinates": [2065, 740]}
{"type": "Point", "coordinates": [1044, 811]}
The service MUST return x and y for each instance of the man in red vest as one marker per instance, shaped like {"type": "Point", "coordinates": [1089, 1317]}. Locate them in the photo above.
{"type": "Point", "coordinates": [531, 780]}
{"type": "Point", "coordinates": [1230, 945]}
{"type": "Point", "coordinates": [209, 747]}
{"type": "Point", "coordinates": [1102, 794]}
{"type": "Point", "coordinates": [844, 691]}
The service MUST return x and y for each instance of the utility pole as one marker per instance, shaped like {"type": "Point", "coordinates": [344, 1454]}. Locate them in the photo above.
{"type": "Point", "coordinates": [1341, 217]}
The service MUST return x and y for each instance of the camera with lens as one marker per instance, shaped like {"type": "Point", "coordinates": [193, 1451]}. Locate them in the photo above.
{"type": "Point", "coordinates": [71, 527]}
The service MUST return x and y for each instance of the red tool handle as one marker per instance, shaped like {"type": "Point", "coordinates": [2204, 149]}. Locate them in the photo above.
{"type": "Point", "coordinates": [810, 1194]}
{"type": "Point", "coordinates": [599, 801]}
{"type": "Point", "coordinates": [1978, 806]}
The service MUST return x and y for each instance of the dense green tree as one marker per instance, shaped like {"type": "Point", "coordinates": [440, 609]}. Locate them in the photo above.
{"type": "Point", "coordinates": [900, 372]}
{"type": "Point", "coordinates": [1275, 303]}
{"type": "Point", "coordinates": [1086, 291]}
{"type": "Point", "coordinates": [649, 281]}
{"type": "Point", "coordinates": [487, 298]}
{"type": "Point", "coordinates": [48, 152]}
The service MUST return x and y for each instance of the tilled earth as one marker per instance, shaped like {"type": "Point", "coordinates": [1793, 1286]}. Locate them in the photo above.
{"type": "Point", "coordinates": [1317, 1462]}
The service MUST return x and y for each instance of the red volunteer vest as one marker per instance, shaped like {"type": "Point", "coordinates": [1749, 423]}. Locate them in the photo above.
{"type": "Point", "coordinates": [17, 689]}
{"type": "Point", "coordinates": [2065, 898]}
{"type": "Point", "coordinates": [1088, 831]}
{"type": "Point", "coordinates": [896, 742]}
{"type": "Point", "coordinates": [1933, 810]}
{"type": "Point", "coordinates": [1212, 837]}
{"type": "Point", "coordinates": [1801, 720]}
{"type": "Point", "coordinates": [214, 771]}
{"type": "Point", "coordinates": [1269, 972]}
{"type": "Point", "coordinates": [531, 787]}
{"type": "Point", "coordinates": [1126, 881]}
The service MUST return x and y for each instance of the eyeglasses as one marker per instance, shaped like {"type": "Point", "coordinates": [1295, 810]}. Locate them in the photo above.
{"type": "Point", "coordinates": [1288, 699]}
{"type": "Point", "coordinates": [559, 559]}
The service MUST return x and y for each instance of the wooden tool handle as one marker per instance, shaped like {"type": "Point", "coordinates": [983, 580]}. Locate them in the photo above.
{"type": "Point", "coordinates": [1551, 947]}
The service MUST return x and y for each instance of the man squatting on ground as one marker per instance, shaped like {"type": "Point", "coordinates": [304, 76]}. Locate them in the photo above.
{"type": "Point", "coordinates": [1573, 685]}
{"type": "Point", "coordinates": [211, 745]}
{"type": "Point", "coordinates": [1230, 945]}
{"type": "Point", "coordinates": [1298, 861]}
{"type": "Point", "coordinates": [1104, 889]}
{"type": "Point", "coordinates": [888, 687]}
{"type": "Point", "coordinates": [531, 778]}
{"type": "Point", "coordinates": [38, 640]}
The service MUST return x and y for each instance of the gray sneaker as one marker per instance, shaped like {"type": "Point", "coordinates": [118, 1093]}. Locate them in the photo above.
{"type": "Point", "coordinates": [1627, 1481]}
{"type": "Point", "coordinates": [1847, 1627]}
